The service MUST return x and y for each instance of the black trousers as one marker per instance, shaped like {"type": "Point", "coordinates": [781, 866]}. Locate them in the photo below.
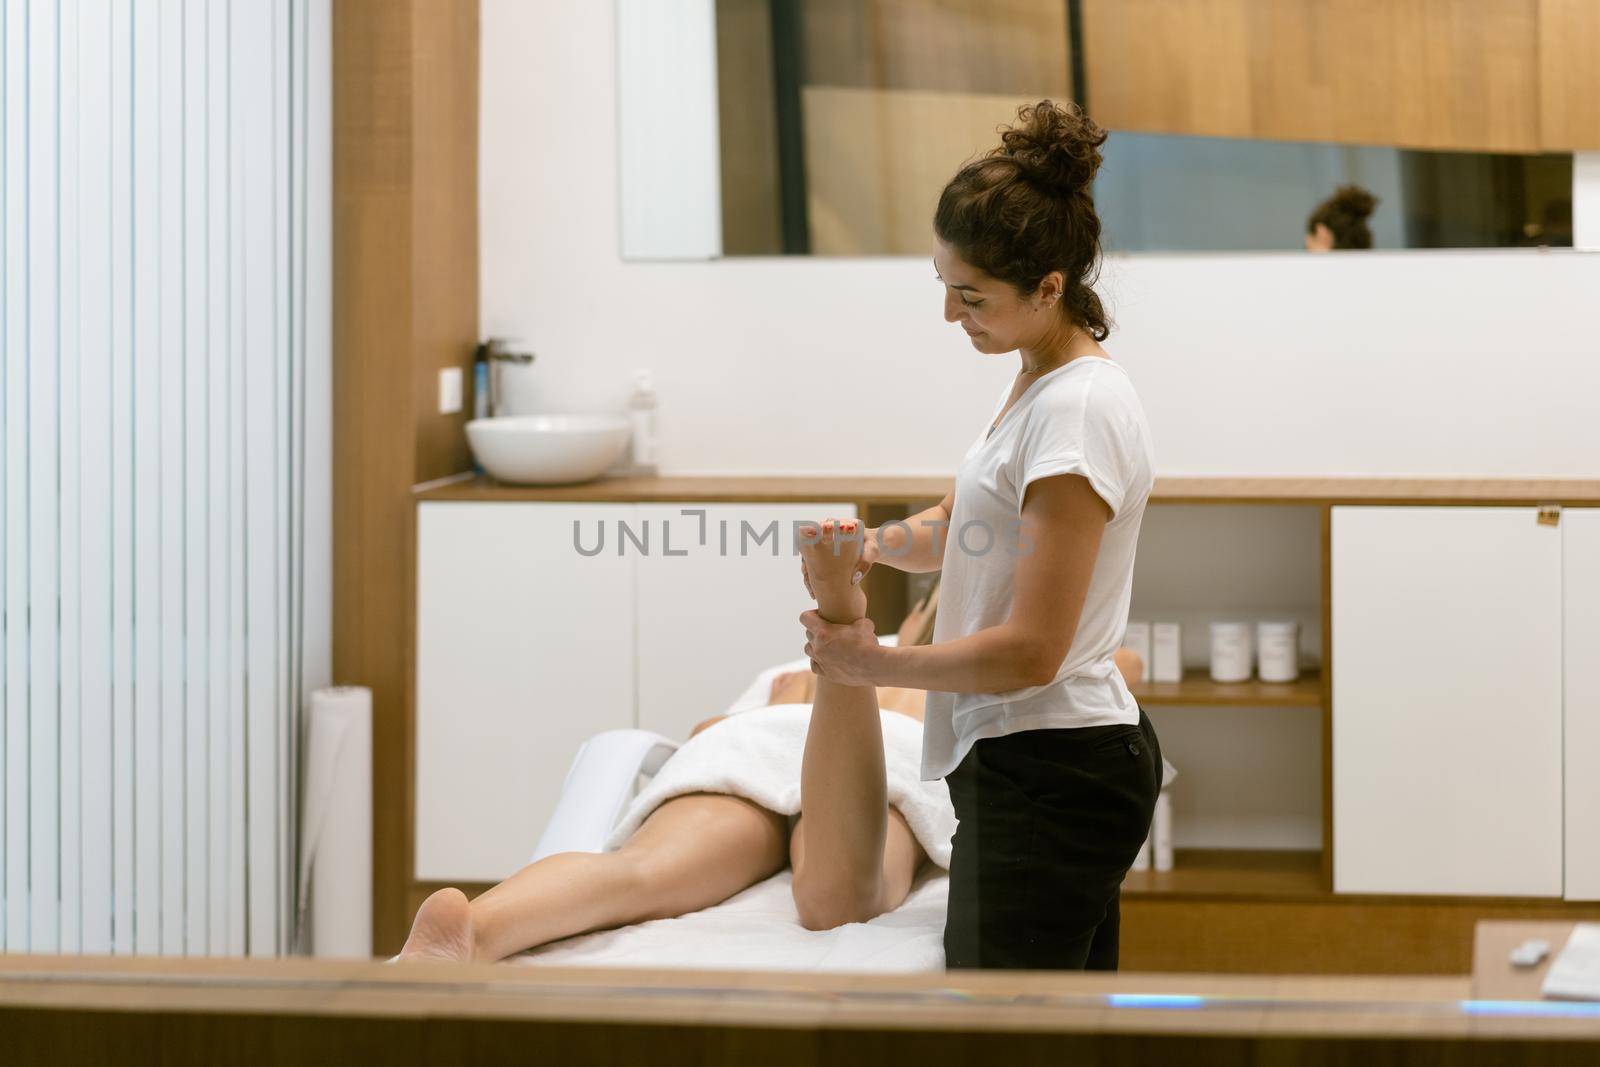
{"type": "Point", "coordinates": [1049, 821]}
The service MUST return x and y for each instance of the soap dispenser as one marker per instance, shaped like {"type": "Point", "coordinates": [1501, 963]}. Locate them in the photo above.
{"type": "Point", "coordinates": [642, 413]}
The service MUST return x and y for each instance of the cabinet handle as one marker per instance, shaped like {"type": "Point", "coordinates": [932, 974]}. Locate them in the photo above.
{"type": "Point", "coordinates": [1550, 515]}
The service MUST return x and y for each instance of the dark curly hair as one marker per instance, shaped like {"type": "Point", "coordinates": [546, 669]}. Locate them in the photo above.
{"type": "Point", "coordinates": [1024, 209]}
{"type": "Point", "coordinates": [1345, 215]}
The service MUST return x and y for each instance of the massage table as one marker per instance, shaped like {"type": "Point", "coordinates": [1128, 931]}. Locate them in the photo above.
{"type": "Point", "coordinates": [757, 928]}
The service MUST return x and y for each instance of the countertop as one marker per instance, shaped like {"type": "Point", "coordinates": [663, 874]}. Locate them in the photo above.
{"type": "Point", "coordinates": [901, 489]}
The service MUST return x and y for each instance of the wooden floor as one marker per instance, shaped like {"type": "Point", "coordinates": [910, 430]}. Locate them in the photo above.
{"type": "Point", "coordinates": [176, 1012]}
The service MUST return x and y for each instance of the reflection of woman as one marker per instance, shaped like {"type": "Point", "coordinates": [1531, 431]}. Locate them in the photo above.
{"type": "Point", "coordinates": [1052, 767]}
{"type": "Point", "coordinates": [681, 850]}
{"type": "Point", "coordinates": [1341, 220]}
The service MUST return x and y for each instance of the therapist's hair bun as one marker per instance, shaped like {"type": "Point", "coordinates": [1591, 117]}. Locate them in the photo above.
{"type": "Point", "coordinates": [1025, 209]}
{"type": "Point", "coordinates": [1345, 215]}
{"type": "Point", "coordinates": [1056, 147]}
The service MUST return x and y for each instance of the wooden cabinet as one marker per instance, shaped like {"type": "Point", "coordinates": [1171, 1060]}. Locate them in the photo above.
{"type": "Point", "coordinates": [1447, 701]}
{"type": "Point", "coordinates": [1580, 537]}
{"type": "Point", "coordinates": [524, 649]}
{"type": "Point", "coordinates": [530, 642]}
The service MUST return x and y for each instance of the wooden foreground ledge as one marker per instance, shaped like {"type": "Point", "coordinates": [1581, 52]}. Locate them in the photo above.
{"type": "Point", "coordinates": [296, 1010]}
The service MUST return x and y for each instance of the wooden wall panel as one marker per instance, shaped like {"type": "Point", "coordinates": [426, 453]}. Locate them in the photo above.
{"type": "Point", "coordinates": [1462, 74]}
{"type": "Point", "coordinates": [877, 161]}
{"type": "Point", "coordinates": [405, 303]}
{"type": "Point", "coordinates": [960, 46]}
{"type": "Point", "coordinates": [1170, 66]}
{"type": "Point", "coordinates": [1569, 69]}
{"type": "Point", "coordinates": [444, 259]}
{"type": "Point", "coordinates": [752, 220]}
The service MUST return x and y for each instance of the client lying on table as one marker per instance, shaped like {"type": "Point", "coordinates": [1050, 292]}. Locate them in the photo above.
{"type": "Point", "coordinates": [725, 811]}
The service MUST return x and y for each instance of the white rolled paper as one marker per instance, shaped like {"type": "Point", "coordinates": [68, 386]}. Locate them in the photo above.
{"type": "Point", "coordinates": [336, 825]}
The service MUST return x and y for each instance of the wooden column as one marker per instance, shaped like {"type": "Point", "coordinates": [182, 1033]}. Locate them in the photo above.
{"type": "Point", "coordinates": [405, 252]}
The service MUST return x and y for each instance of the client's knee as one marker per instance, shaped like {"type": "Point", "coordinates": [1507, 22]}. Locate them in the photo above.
{"type": "Point", "coordinates": [826, 903]}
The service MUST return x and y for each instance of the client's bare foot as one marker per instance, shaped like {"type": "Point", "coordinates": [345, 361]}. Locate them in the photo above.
{"type": "Point", "coordinates": [442, 929]}
{"type": "Point", "coordinates": [830, 555]}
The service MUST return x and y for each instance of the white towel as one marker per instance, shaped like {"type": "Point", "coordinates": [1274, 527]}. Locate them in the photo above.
{"type": "Point", "coordinates": [756, 755]}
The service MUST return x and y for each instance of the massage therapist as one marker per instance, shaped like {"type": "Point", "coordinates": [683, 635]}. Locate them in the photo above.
{"type": "Point", "coordinates": [1053, 767]}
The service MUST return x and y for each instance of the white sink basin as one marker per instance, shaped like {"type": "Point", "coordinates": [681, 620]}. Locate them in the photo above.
{"type": "Point", "coordinates": [548, 449]}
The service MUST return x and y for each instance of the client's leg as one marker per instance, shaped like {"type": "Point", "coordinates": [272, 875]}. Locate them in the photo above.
{"type": "Point", "coordinates": [837, 849]}
{"type": "Point", "coordinates": [692, 852]}
{"type": "Point", "coordinates": [902, 858]}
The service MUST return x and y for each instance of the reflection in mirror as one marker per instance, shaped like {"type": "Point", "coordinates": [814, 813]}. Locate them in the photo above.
{"type": "Point", "coordinates": [1158, 192]}
{"type": "Point", "coordinates": [839, 121]}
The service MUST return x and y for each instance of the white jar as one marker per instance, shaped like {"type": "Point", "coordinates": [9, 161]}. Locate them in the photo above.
{"type": "Point", "coordinates": [1230, 652]}
{"type": "Point", "coordinates": [1279, 643]}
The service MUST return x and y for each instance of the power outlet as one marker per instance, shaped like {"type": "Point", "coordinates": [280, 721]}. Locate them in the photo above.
{"type": "Point", "coordinates": [450, 390]}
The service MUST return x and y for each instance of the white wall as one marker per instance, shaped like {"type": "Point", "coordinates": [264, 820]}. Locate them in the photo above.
{"type": "Point", "coordinates": [1381, 363]}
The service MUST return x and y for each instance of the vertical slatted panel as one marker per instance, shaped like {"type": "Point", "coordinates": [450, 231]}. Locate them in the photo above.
{"type": "Point", "coordinates": [120, 455]}
{"type": "Point", "coordinates": [277, 149]}
{"type": "Point", "coordinates": [300, 137]}
{"type": "Point", "coordinates": [238, 864]}
{"type": "Point", "coordinates": [254, 112]}
{"type": "Point", "coordinates": [154, 274]}
{"type": "Point", "coordinates": [14, 42]}
{"type": "Point", "coordinates": [218, 706]}
{"type": "Point", "coordinates": [195, 502]}
{"type": "Point", "coordinates": [169, 459]}
{"type": "Point", "coordinates": [43, 447]}
{"type": "Point", "coordinates": [69, 538]}
{"type": "Point", "coordinates": [94, 406]}
{"type": "Point", "coordinates": [146, 448]}
{"type": "Point", "coordinates": [315, 609]}
{"type": "Point", "coordinates": [282, 451]}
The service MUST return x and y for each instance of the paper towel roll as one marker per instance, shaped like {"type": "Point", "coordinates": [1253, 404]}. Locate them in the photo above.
{"type": "Point", "coordinates": [335, 902]}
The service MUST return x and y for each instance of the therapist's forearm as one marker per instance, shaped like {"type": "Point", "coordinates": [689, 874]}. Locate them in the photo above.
{"type": "Point", "coordinates": [996, 660]}
{"type": "Point", "coordinates": [916, 547]}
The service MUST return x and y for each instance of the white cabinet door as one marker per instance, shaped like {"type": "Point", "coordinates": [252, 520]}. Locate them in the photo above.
{"type": "Point", "coordinates": [1580, 530]}
{"type": "Point", "coordinates": [712, 617]}
{"type": "Point", "coordinates": [524, 649]}
{"type": "Point", "coordinates": [1447, 635]}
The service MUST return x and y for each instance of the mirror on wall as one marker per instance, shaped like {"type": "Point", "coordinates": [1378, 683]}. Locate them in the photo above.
{"type": "Point", "coordinates": [828, 127]}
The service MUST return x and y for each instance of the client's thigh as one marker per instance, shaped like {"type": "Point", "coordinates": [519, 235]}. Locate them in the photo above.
{"type": "Point", "coordinates": [902, 857]}
{"type": "Point", "coordinates": [698, 850]}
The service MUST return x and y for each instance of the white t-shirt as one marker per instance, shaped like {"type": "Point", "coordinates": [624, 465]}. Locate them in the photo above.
{"type": "Point", "coordinates": [1081, 418]}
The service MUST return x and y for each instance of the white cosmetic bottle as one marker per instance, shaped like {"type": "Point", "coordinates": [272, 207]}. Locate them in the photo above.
{"type": "Point", "coordinates": [642, 413]}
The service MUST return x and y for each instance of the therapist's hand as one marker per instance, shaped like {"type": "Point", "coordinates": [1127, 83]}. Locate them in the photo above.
{"type": "Point", "coordinates": [843, 653]}
{"type": "Point", "coordinates": [869, 555]}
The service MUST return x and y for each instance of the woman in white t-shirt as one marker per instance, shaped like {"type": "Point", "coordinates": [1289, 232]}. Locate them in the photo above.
{"type": "Point", "coordinates": [1053, 768]}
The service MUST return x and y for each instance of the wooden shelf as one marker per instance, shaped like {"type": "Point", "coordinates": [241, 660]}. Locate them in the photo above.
{"type": "Point", "coordinates": [1232, 873]}
{"type": "Point", "coordinates": [1198, 690]}
{"type": "Point", "coordinates": [894, 489]}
